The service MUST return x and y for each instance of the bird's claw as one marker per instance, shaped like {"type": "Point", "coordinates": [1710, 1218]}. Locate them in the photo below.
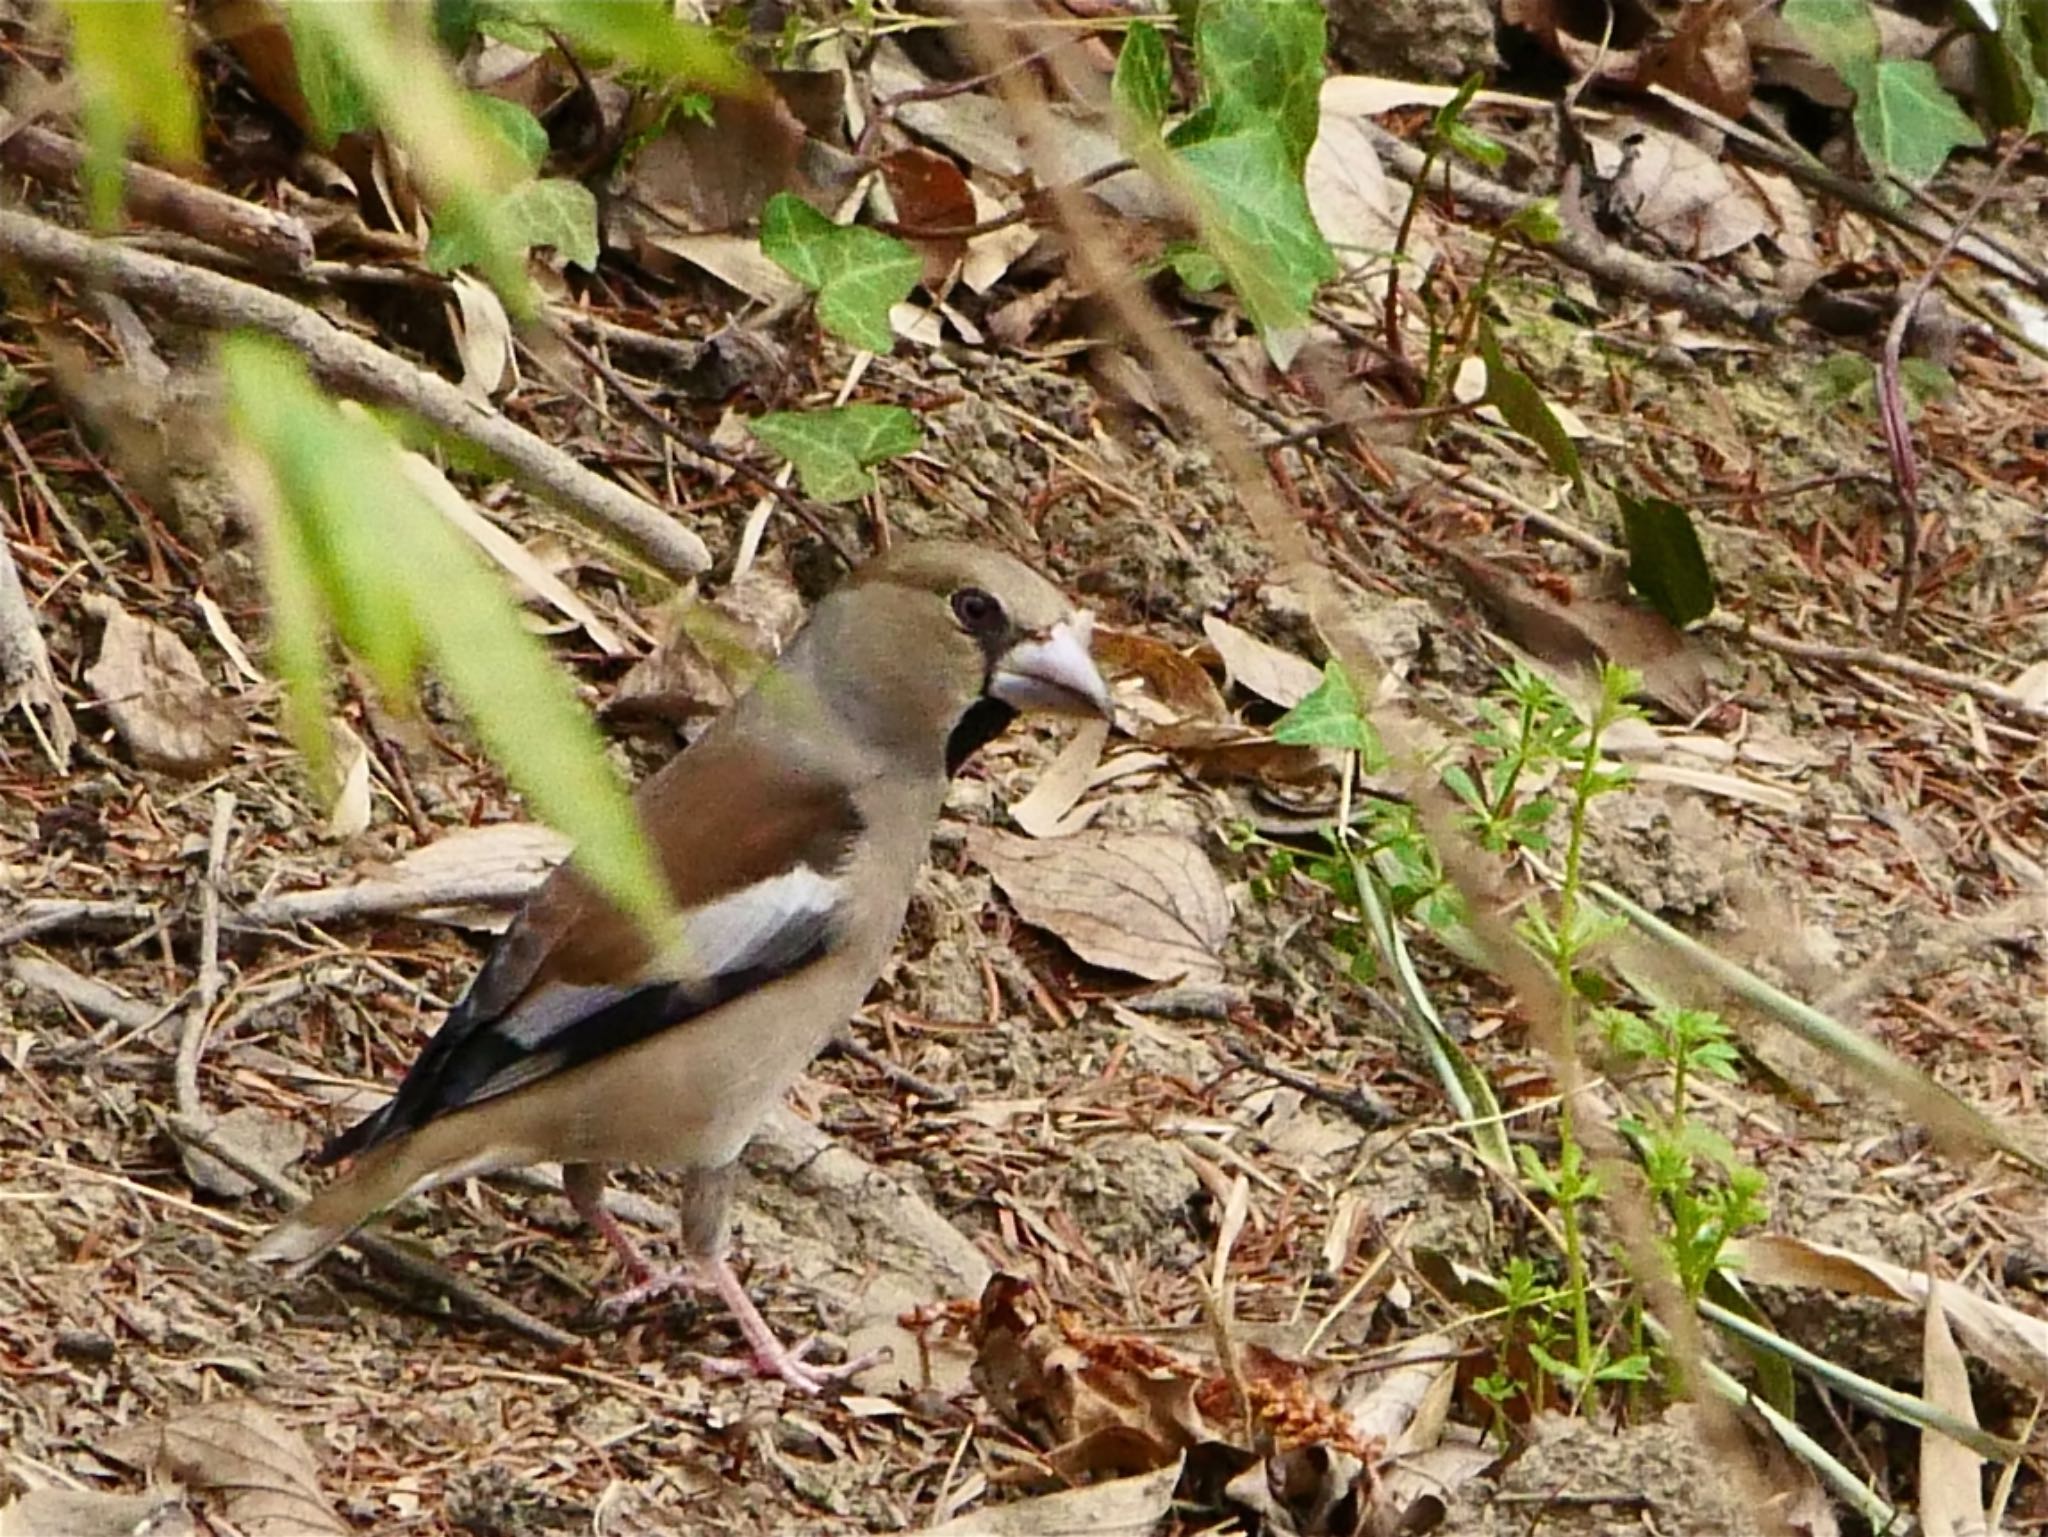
{"type": "Point", "coordinates": [649, 1287]}
{"type": "Point", "coordinates": [791, 1368]}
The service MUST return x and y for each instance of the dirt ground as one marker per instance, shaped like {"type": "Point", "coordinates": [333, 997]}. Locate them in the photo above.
{"type": "Point", "coordinates": [1088, 1140]}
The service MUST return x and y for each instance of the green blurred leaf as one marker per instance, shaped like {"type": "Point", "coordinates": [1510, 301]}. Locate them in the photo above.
{"type": "Point", "coordinates": [857, 274]}
{"type": "Point", "coordinates": [386, 53]}
{"type": "Point", "coordinates": [1665, 562]}
{"type": "Point", "coordinates": [1256, 222]}
{"type": "Point", "coordinates": [386, 561]}
{"type": "Point", "coordinates": [1538, 220]}
{"type": "Point", "coordinates": [646, 34]}
{"type": "Point", "coordinates": [129, 64]}
{"type": "Point", "coordinates": [1907, 124]}
{"type": "Point", "coordinates": [1842, 34]}
{"type": "Point", "coordinates": [1925, 380]}
{"type": "Point", "coordinates": [519, 128]}
{"type": "Point", "coordinates": [833, 449]}
{"type": "Point", "coordinates": [1142, 88]}
{"type": "Point", "coordinates": [1515, 396]}
{"type": "Point", "coordinates": [1841, 378]}
{"type": "Point", "coordinates": [1261, 63]}
{"type": "Point", "coordinates": [552, 212]}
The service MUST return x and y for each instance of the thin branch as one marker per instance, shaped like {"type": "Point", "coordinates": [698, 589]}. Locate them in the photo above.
{"type": "Point", "coordinates": [192, 1037]}
{"type": "Point", "coordinates": [195, 295]}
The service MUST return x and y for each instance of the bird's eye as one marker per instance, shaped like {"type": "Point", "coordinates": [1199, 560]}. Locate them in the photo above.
{"type": "Point", "coordinates": [978, 613]}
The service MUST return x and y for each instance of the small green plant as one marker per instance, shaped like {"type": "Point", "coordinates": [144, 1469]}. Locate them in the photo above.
{"type": "Point", "coordinates": [1708, 1194]}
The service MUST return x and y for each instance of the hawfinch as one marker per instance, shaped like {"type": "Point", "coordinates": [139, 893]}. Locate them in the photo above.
{"type": "Point", "coordinates": [791, 834]}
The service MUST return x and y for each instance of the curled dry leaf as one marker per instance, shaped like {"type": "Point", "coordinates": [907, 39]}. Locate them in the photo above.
{"type": "Point", "coordinates": [260, 1467]}
{"type": "Point", "coordinates": [1147, 903]}
{"type": "Point", "coordinates": [150, 685]}
{"type": "Point", "coordinates": [1167, 700]}
{"type": "Point", "coordinates": [930, 195]}
{"type": "Point", "coordinates": [1672, 189]}
{"type": "Point", "coordinates": [1951, 1474]}
{"type": "Point", "coordinates": [2015, 1343]}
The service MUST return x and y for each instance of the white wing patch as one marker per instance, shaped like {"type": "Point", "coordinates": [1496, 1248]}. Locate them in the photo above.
{"type": "Point", "coordinates": [768, 925]}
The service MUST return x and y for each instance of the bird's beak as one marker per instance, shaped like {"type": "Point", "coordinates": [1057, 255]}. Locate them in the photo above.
{"type": "Point", "coordinates": [1053, 672]}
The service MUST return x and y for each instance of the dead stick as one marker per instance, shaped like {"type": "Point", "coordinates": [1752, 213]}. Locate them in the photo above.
{"type": "Point", "coordinates": [379, 899]}
{"type": "Point", "coordinates": [381, 1252]}
{"type": "Point", "coordinates": [278, 241]}
{"type": "Point", "coordinates": [192, 1038]}
{"type": "Point", "coordinates": [1885, 661]}
{"type": "Point", "coordinates": [195, 295]}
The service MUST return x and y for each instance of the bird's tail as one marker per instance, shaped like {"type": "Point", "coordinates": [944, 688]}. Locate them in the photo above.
{"type": "Point", "coordinates": [385, 1175]}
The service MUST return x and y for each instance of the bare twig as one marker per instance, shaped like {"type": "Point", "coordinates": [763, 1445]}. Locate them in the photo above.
{"type": "Point", "coordinates": [46, 915]}
{"type": "Point", "coordinates": [278, 241]}
{"type": "Point", "coordinates": [86, 994]}
{"type": "Point", "coordinates": [192, 1038]}
{"type": "Point", "coordinates": [26, 678]}
{"type": "Point", "coordinates": [196, 295]}
{"type": "Point", "coordinates": [382, 898]}
{"type": "Point", "coordinates": [1366, 1109]}
{"type": "Point", "coordinates": [381, 1252]}
{"type": "Point", "coordinates": [1626, 270]}
{"type": "Point", "coordinates": [1868, 657]}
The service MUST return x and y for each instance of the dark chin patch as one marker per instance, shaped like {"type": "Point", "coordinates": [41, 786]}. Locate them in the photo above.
{"type": "Point", "coordinates": [985, 720]}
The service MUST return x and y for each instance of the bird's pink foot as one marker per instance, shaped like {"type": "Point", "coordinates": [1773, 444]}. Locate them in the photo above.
{"type": "Point", "coordinates": [790, 1366]}
{"type": "Point", "coordinates": [648, 1285]}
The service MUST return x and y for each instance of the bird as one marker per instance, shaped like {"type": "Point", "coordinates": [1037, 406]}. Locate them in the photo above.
{"type": "Point", "coordinates": [790, 833]}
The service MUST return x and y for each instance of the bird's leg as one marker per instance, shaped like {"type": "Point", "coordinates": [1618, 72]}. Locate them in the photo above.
{"type": "Point", "coordinates": [583, 1183]}
{"type": "Point", "coordinates": [771, 1358]}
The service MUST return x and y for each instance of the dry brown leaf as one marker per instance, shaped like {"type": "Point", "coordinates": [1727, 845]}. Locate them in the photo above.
{"type": "Point", "coordinates": [92, 1513]}
{"type": "Point", "coordinates": [712, 650]}
{"type": "Point", "coordinates": [1162, 686]}
{"type": "Point", "coordinates": [1121, 1507]}
{"type": "Point", "coordinates": [1706, 58]}
{"type": "Point", "coordinates": [150, 685]}
{"type": "Point", "coordinates": [1951, 1475]}
{"type": "Point", "coordinates": [483, 338]}
{"type": "Point", "coordinates": [708, 178]}
{"type": "Point", "coordinates": [930, 194]}
{"type": "Point", "coordinates": [1591, 630]}
{"type": "Point", "coordinates": [1147, 903]}
{"type": "Point", "coordinates": [1672, 189]}
{"type": "Point", "coordinates": [1100, 1402]}
{"type": "Point", "coordinates": [2015, 1343]}
{"type": "Point", "coordinates": [259, 1466]}
{"type": "Point", "coordinates": [1257, 667]}
{"type": "Point", "coordinates": [1049, 810]}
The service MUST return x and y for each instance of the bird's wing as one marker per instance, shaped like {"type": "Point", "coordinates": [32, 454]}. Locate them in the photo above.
{"type": "Point", "coordinates": [756, 856]}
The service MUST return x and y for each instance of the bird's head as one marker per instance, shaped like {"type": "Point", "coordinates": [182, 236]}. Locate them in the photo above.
{"type": "Point", "coordinates": [946, 643]}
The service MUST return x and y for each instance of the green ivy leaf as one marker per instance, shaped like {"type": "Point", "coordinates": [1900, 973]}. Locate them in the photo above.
{"type": "Point", "coordinates": [552, 212]}
{"type": "Point", "coordinates": [1142, 87]}
{"type": "Point", "coordinates": [1329, 717]}
{"type": "Point", "coordinates": [1194, 267]}
{"type": "Point", "coordinates": [833, 449]}
{"type": "Point", "coordinates": [1261, 63]}
{"type": "Point", "coordinates": [129, 63]}
{"type": "Point", "coordinates": [519, 128]}
{"type": "Point", "coordinates": [381, 558]}
{"type": "Point", "coordinates": [1907, 124]}
{"type": "Point", "coordinates": [1665, 562]}
{"type": "Point", "coordinates": [1514, 394]}
{"type": "Point", "coordinates": [1256, 222]}
{"type": "Point", "coordinates": [1842, 34]}
{"type": "Point", "coordinates": [857, 274]}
